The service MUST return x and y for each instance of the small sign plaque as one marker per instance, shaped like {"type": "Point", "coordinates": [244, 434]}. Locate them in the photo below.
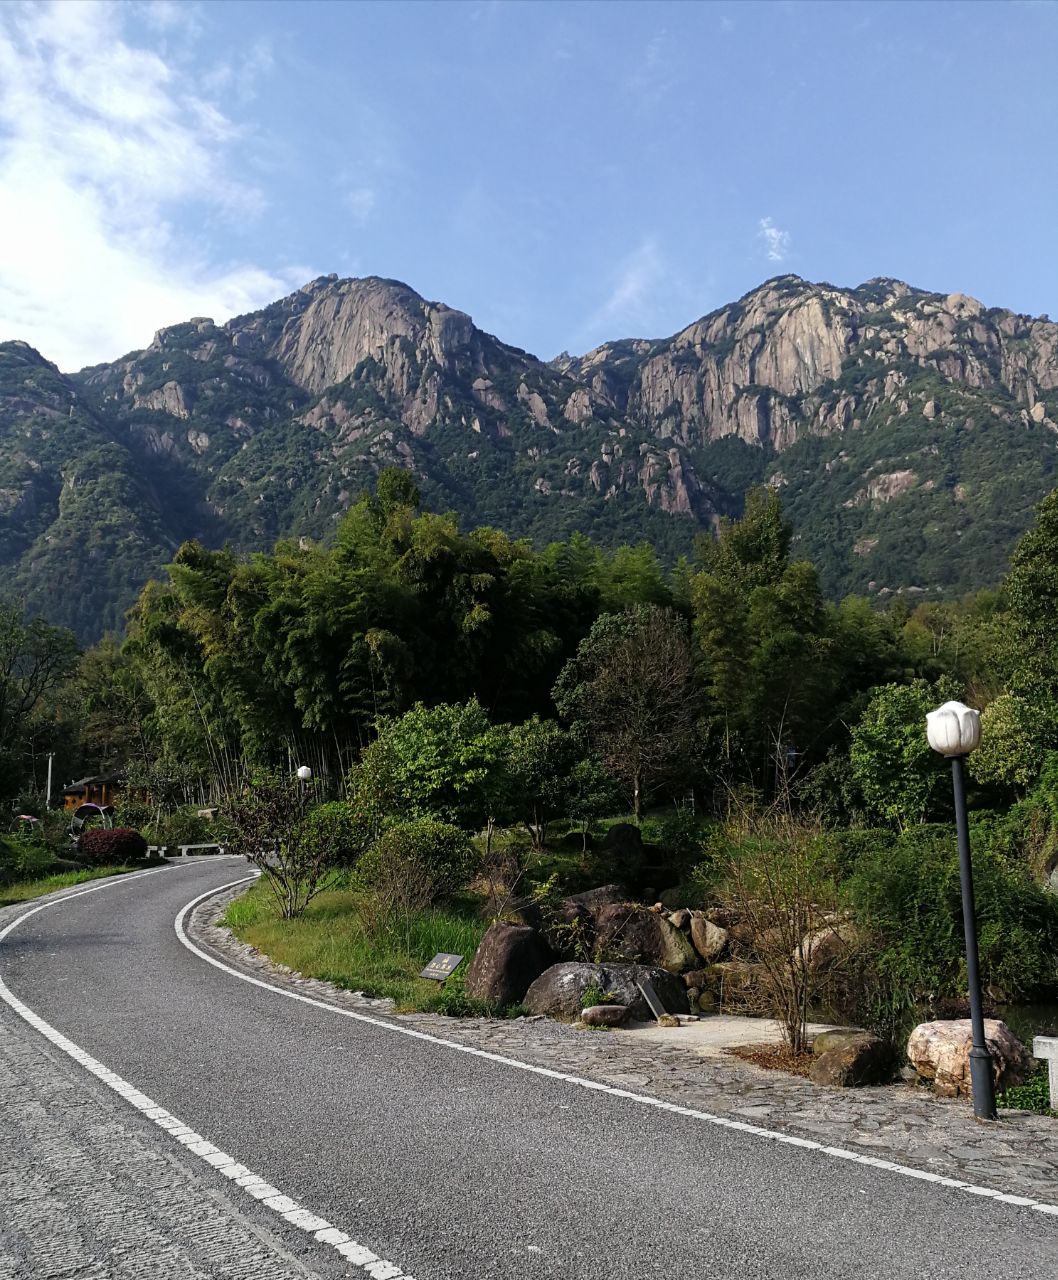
{"type": "Point", "coordinates": [442, 966]}
{"type": "Point", "coordinates": [651, 997]}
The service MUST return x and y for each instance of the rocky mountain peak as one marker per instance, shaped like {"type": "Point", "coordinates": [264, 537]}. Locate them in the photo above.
{"type": "Point", "coordinates": [878, 409]}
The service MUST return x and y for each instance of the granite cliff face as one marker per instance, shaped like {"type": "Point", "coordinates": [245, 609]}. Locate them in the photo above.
{"type": "Point", "coordinates": [786, 362]}
{"type": "Point", "coordinates": [910, 432]}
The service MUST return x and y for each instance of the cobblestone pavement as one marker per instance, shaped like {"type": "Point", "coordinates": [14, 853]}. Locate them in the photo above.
{"type": "Point", "coordinates": [88, 1193]}
{"type": "Point", "coordinates": [902, 1123]}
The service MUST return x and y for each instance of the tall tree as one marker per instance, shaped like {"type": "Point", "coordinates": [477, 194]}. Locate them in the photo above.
{"type": "Point", "coordinates": [629, 691]}
{"type": "Point", "coordinates": [35, 659]}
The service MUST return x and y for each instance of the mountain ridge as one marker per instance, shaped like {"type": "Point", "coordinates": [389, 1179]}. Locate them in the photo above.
{"type": "Point", "coordinates": [910, 432]}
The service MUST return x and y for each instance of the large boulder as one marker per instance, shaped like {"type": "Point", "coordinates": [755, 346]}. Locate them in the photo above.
{"type": "Point", "coordinates": [940, 1052]}
{"type": "Point", "coordinates": [623, 851]}
{"type": "Point", "coordinates": [824, 947]}
{"type": "Point", "coordinates": [572, 928]}
{"type": "Point", "coordinates": [643, 936]}
{"type": "Point", "coordinates": [849, 1059]}
{"type": "Point", "coordinates": [709, 939]}
{"type": "Point", "coordinates": [605, 1015]}
{"type": "Point", "coordinates": [508, 959]}
{"type": "Point", "coordinates": [584, 906]}
{"type": "Point", "coordinates": [526, 911]}
{"type": "Point", "coordinates": [559, 991]}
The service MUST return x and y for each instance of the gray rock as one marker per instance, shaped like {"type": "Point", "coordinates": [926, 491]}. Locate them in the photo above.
{"type": "Point", "coordinates": [560, 990]}
{"type": "Point", "coordinates": [508, 959]}
{"type": "Point", "coordinates": [859, 1060]}
{"type": "Point", "coordinates": [605, 1015]}
{"type": "Point", "coordinates": [643, 936]}
{"type": "Point", "coordinates": [622, 849]}
{"type": "Point", "coordinates": [840, 1039]}
{"type": "Point", "coordinates": [588, 903]}
{"type": "Point", "coordinates": [709, 939]}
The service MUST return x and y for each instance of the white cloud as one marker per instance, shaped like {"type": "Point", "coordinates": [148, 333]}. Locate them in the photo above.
{"type": "Point", "coordinates": [106, 150]}
{"type": "Point", "coordinates": [360, 202]}
{"type": "Point", "coordinates": [630, 299]}
{"type": "Point", "coordinates": [776, 241]}
{"type": "Point", "coordinates": [654, 77]}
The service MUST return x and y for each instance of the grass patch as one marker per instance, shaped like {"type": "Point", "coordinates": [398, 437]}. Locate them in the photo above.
{"type": "Point", "coordinates": [330, 942]}
{"type": "Point", "coordinates": [1033, 1095]}
{"type": "Point", "coordinates": [23, 890]}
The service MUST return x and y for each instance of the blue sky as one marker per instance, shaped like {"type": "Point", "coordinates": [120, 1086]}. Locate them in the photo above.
{"type": "Point", "coordinates": [564, 172]}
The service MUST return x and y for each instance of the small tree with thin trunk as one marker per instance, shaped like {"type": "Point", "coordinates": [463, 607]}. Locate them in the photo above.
{"type": "Point", "coordinates": [629, 692]}
{"type": "Point", "coordinates": [269, 827]}
{"type": "Point", "coordinates": [778, 882]}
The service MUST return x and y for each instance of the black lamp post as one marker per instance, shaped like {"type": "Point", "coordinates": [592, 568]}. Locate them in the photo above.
{"type": "Point", "coordinates": [954, 731]}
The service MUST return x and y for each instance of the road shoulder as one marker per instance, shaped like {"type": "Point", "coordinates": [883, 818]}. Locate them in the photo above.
{"type": "Point", "coordinates": [906, 1125]}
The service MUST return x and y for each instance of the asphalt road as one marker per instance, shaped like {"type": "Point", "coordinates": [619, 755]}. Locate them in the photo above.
{"type": "Point", "coordinates": [458, 1168]}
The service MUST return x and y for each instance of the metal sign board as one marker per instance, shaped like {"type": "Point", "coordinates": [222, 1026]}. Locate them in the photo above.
{"type": "Point", "coordinates": [442, 966]}
{"type": "Point", "coordinates": [651, 997]}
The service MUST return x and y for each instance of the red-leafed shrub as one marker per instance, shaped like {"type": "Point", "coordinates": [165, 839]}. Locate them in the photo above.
{"type": "Point", "coordinates": [99, 846]}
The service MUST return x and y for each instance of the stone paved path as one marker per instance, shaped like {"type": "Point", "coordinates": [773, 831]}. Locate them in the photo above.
{"type": "Point", "coordinates": [87, 1192]}
{"type": "Point", "coordinates": [896, 1122]}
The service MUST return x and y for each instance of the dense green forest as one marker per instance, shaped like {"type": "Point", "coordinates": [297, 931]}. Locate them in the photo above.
{"type": "Point", "coordinates": [234, 663]}
{"type": "Point", "coordinates": [450, 690]}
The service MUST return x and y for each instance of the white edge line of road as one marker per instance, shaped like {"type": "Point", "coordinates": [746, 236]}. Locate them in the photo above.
{"type": "Point", "coordinates": [319, 1228]}
{"type": "Point", "coordinates": [722, 1122]}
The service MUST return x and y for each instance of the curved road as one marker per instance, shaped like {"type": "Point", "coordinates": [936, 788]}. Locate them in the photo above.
{"type": "Point", "coordinates": [455, 1167]}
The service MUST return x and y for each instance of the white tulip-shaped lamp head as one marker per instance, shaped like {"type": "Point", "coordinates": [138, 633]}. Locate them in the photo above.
{"type": "Point", "coordinates": [953, 730]}
{"type": "Point", "coordinates": [305, 773]}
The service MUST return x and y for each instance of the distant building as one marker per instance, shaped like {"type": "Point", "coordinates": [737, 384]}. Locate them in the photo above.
{"type": "Point", "coordinates": [101, 788]}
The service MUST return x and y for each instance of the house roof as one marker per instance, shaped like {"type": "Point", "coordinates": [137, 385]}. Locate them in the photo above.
{"type": "Point", "coordinates": [82, 784]}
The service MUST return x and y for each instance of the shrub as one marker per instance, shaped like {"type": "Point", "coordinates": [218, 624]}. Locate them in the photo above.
{"type": "Point", "coordinates": [342, 829]}
{"type": "Point", "coordinates": [415, 864]}
{"type": "Point", "coordinates": [907, 896]}
{"type": "Point", "coordinates": [679, 835]}
{"type": "Point", "coordinates": [452, 1000]}
{"type": "Point", "coordinates": [778, 879]}
{"type": "Point", "coordinates": [593, 994]}
{"type": "Point", "coordinates": [23, 856]}
{"type": "Point", "coordinates": [113, 846]}
{"type": "Point", "coordinates": [182, 826]}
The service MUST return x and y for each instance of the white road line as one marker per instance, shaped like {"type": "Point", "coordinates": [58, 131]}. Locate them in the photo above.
{"type": "Point", "coordinates": [297, 1215]}
{"type": "Point", "coordinates": [722, 1122]}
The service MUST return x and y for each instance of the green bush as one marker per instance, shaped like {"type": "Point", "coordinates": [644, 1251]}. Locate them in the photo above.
{"type": "Point", "coordinates": [593, 994]}
{"type": "Point", "coordinates": [1033, 1095]}
{"type": "Point", "coordinates": [23, 856]}
{"type": "Point", "coordinates": [110, 846]}
{"type": "Point", "coordinates": [907, 896]}
{"type": "Point", "coordinates": [415, 864]}
{"type": "Point", "coordinates": [342, 828]}
{"type": "Point", "coordinates": [452, 1000]}
{"type": "Point", "coordinates": [184, 826]}
{"type": "Point", "coordinates": [679, 835]}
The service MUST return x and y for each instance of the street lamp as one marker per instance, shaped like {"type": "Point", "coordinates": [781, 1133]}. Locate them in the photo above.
{"type": "Point", "coordinates": [954, 731]}
{"type": "Point", "coordinates": [303, 774]}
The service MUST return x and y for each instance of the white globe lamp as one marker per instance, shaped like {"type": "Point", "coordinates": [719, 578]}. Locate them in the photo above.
{"type": "Point", "coordinates": [954, 729]}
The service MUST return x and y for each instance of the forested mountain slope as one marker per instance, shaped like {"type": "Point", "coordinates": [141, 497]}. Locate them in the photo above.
{"type": "Point", "coordinates": [910, 434]}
